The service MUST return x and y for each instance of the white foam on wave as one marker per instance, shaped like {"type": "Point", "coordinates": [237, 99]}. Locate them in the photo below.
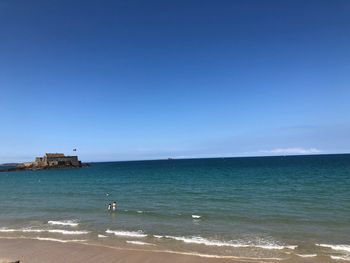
{"type": "Point", "coordinates": [59, 231]}
{"type": "Point", "coordinates": [58, 240]}
{"type": "Point", "coordinates": [340, 258]}
{"type": "Point", "coordinates": [307, 255]}
{"type": "Point", "coordinates": [7, 230]}
{"type": "Point", "coordinates": [140, 243]}
{"type": "Point", "coordinates": [274, 246]}
{"type": "Point", "coordinates": [67, 232]}
{"type": "Point", "coordinates": [101, 236]}
{"type": "Point", "coordinates": [28, 230]}
{"type": "Point", "coordinates": [137, 234]}
{"type": "Point", "coordinates": [72, 223]}
{"type": "Point", "coordinates": [203, 241]}
{"type": "Point", "coordinates": [336, 247]}
{"type": "Point", "coordinates": [196, 216]}
{"type": "Point", "coordinates": [139, 211]}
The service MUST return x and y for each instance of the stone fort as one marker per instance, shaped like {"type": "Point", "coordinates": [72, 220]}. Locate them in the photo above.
{"type": "Point", "coordinates": [56, 159]}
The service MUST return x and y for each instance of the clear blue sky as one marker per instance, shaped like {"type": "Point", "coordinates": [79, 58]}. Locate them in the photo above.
{"type": "Point", "coordinates": [122, 80]}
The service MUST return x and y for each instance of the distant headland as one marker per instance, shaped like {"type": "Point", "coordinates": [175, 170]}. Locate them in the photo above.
{"type": "Point", "coordinates": [49, 161]}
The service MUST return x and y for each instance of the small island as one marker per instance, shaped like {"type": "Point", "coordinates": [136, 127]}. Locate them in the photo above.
{"type": "Point", "coordinates": [49, 161]}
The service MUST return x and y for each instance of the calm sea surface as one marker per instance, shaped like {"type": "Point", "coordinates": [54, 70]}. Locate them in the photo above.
{"type": "Point", "coordinates": [264, 207]}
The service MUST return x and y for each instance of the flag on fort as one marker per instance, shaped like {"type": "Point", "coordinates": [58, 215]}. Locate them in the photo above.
{"type": "Point", "coordinates": [74, 150]}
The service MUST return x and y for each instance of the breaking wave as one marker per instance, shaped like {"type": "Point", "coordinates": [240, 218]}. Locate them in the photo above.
{"type": "Point", "coordinates": [307, 255]}
{"type": "Point", "coordinates": [58, 240]}
{"type": "Point", "coordinates": [6, 230]}
{"type": "Point", "coordinates": [203, 241]}
{"type": "Point", "coordinates": [67, 232]}
{"type": "Point", "coordinates": [340, 258]}
{"type": "Point", "coordinates": [72, 223]}
{"type": "Point", "coordinates": [59, 231]}
{"type": "Point", "coordinates": [140, 243]}
{"type": "Point", "coordinates": [336, 247]}
{"type": "Point", "coordinates": [137, 234]}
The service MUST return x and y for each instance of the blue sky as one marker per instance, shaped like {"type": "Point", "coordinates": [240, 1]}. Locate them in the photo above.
{"type": "Point", "coordinates": [124, 80]}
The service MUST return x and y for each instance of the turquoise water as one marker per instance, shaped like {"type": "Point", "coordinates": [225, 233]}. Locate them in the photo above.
{"type": "Point", "coordinates": [264, 207]}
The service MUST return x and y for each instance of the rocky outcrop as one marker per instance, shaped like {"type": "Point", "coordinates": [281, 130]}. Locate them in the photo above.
{"type": "Point", "coordinates": [49, 161]}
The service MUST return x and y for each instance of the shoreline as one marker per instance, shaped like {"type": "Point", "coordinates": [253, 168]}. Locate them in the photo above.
{"type": "Point", "coordinates": [39, 251]}
{"type": "Point", "coordinates": [30, 250]}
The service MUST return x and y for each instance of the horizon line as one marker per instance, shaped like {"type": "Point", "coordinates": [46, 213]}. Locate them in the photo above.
{"type": "Point", "coordinates": [222, 157]}
{"type": "Point", "coordinates": [199, 158]}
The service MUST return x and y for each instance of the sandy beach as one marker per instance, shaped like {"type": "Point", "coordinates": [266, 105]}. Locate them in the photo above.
{"type": "Point", "coordinates": [38, 251]}
{"type": "Point", "coordinates": [35, 251]}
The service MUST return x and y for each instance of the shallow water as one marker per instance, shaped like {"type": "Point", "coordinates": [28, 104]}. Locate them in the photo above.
{"type": "Point", "coordinates": [264, 207]}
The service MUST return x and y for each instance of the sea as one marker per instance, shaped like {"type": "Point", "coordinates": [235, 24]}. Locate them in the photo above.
{"type": "Point", "coordinates": [256, 208]}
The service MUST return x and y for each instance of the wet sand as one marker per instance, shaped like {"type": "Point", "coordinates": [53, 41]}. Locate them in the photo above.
{"type": "Point", "coordinates": [39, 251]}
{"type": "Point", "coordinates": [36, 251]}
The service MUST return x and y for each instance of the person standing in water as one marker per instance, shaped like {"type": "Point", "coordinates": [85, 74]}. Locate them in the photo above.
{"type": "Point", "coordinates": [114, 206]}
{"type": "Point", "coordinates": [109, 207]}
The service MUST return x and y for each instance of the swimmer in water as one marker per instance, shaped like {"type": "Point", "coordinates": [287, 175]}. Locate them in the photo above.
{"type": "Point", "coordinates": [109, 207]}
{"type": "Point", "coordinates": [114, 206]}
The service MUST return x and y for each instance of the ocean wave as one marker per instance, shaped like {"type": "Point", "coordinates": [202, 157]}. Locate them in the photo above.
{"type": "Point", "coordinates": [307, 255]}
{"type": "Point", "coordinates": [72, 223]}
{"type": "Point", "coordinates": [58, 240]}
{"type": "Point", "coordinates": [274, 246]}
{"type": "Point", "coordinates": [29, 230]}
{"type": "Point", "coordinates": [6, 230]}
{"type": "Point", "coordinates": [67, 232]}
{"type": "Point", "coordinates": [341, 258]}
{"type": "Point", "coordinates": [196, 216]}
{"type": "Point", "coordinates": [336, 247]}
{"type": "Point", "coordinates": [137, 234]}
{"type": "Point", "coordinates": [140, 243]}
{"type": "Point", "coordinates": [203, 241]}
{"type": "Point", "coordinates": [101, 236]}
